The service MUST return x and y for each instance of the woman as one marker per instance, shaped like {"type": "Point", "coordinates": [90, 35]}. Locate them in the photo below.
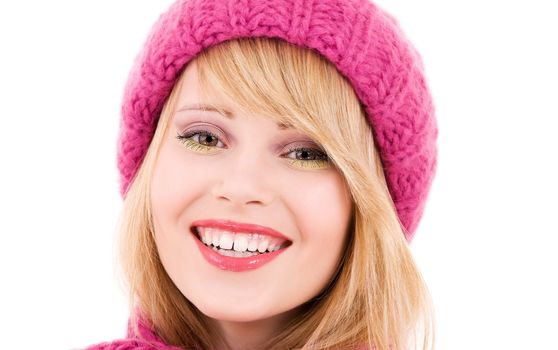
{"type": "Point", "coordinates": [275, 160]}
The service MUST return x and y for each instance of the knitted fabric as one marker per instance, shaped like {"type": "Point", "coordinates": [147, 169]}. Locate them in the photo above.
{"type": "Point", "coordinates": [365, 43]}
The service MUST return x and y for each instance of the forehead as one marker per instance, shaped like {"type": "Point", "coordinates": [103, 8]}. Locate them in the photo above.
{"type": "Point", "coordinates": [220, 109]}
{"type": "Point", "coordinates": [193, 98]}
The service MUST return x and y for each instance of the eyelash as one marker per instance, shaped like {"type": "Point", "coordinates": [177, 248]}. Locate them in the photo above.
{"type": "Point", "coordinates": [322, 162]}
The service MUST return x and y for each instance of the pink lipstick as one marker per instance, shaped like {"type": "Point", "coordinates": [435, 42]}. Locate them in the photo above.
{"type": "Point", "coordinates": [219, 251]}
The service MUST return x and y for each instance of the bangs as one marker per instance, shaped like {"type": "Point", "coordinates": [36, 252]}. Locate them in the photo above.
{"type": "Point", "coordinates": [294, 86]}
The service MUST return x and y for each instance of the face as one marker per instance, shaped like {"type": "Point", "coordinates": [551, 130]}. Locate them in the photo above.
{"type": "Point", "coordinates": [272, 214]}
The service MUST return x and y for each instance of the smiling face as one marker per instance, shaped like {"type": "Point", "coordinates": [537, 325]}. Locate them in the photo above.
{"type": "Point", "coordinates": [245, 169]}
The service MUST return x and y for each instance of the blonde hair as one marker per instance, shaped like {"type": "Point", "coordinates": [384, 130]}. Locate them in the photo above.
{"type": "Point", "coordinates": [377, 298]}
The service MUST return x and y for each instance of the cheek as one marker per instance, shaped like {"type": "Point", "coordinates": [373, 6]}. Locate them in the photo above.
{"type": "Point", "coordinates": [175, 183]}
{"type": "Point", "coordinates": [322, 213]}
{"type": "Point", "coordinates": [175, 186]}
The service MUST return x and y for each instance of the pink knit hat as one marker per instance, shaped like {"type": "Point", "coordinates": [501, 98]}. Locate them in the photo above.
{"type": "Point", "coordinates": [364, 42]}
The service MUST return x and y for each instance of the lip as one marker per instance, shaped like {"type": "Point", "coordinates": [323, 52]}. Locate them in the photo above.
{"type": "Point", "coordinates": [231, 263]}
{"type": "Point", "coordinates": [234, 226]}
{"type": "Point", "coordinates": [236, 264]}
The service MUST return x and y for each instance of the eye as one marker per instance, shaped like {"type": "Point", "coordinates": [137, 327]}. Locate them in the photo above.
{"type": "Point", "coordinates": [200, 140]}
{"type": "Point", "coordinates": [304, 157]}
{"type": "Point", "coordinates": [308, 158]}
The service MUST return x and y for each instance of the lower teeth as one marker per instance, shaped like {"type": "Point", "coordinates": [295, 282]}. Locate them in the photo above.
{"type": "Point", "coordinates": [233, 253]}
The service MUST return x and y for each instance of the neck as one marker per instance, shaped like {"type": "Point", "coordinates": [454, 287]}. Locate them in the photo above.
{"type": "Point", "coordinates": [251, 334]}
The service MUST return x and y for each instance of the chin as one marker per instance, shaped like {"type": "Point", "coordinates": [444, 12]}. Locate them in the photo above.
{"type": "Point", "coordinates": [236, 313]}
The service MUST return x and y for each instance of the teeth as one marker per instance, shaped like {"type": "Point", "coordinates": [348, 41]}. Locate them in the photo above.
{"type": "Point", "coordinates": [262, 246]}
{"type": "Point", "coordinates": [225, 252]}
{"type": "Point", "coordinates": [238, 244]}
{"type": "Point", "coordinates": [226, 241]}
{"type": "Point", "coordinates": [214, 237]}
{"type": "Point", "coordinates": [275, 246]}
{"type": "Point", "coordinates": [204, 238]}
{"type": "Point", "coordinates": [243, 254]}
{"type": "Point", "coordinates": [253, 245]}
{"type": "Point", "coordinates": [233, 253]}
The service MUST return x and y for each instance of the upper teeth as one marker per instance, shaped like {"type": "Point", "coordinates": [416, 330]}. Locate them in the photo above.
{"type": "Point", "coordinates": [240, 242]}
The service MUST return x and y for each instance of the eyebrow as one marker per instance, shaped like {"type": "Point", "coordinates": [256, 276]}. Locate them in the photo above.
{"type": "Point", "coordinates": [208, 107]}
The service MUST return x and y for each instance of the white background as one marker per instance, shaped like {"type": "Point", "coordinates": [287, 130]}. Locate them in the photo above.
{"type": "Point", "coordinates": [486, 244]}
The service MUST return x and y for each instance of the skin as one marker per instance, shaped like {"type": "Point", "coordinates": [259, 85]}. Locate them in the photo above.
{"type": "Point", "coordinates": [247, 176]}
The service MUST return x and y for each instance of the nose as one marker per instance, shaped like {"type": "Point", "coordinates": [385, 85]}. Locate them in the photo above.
{"type": "Point", "coordinates": [244, 180]}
